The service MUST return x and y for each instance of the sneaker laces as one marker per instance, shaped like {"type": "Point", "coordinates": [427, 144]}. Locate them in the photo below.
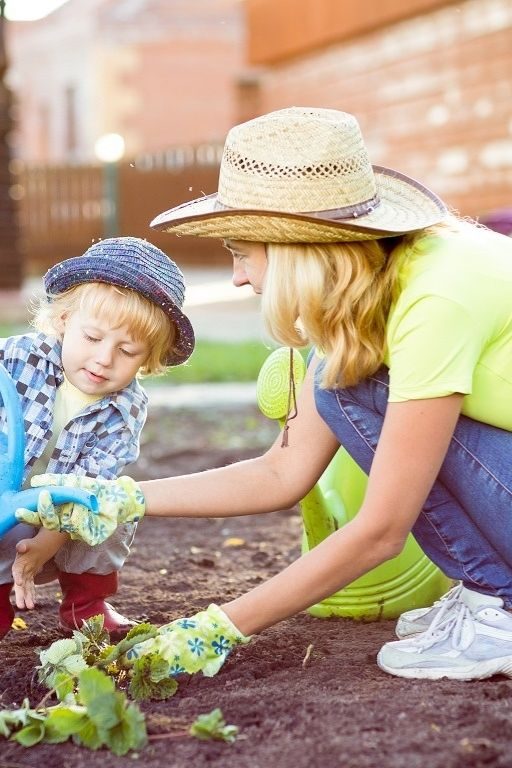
{"type": "Point", "coordinates": [448, 623]}
{"type": "Point", "coordinates": [453, 594]}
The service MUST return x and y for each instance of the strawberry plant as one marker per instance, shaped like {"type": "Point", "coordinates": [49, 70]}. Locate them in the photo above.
{"type": "Point", "coordinates": [213, 726]}
{"type": "Point", "coordinates": [96, 715]}
{"type": "Point", "coordinates": [94, 682]}
{"type": "Point", "coordinates": [146, 678]}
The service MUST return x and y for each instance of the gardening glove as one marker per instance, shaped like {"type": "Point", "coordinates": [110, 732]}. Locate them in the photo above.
{"type": "Point", "coordinates": [200, 643]}
{"type": "Point", "coordinates": [119, 501]}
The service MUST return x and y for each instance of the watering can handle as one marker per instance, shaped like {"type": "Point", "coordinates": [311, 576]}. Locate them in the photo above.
{"type": "Point", "coordinates": [12, 462]}
{"type": "Point", "coordinates": [10, 501]}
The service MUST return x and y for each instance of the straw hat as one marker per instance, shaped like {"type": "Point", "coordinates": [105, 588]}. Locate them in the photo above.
{"type": "Point", "coordinates": [130, 262]}
{"type": "Point", "coordinates": [303, 175]}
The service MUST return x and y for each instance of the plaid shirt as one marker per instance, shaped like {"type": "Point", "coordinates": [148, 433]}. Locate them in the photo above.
{"type": "Point", "coordinates": [100, 441]}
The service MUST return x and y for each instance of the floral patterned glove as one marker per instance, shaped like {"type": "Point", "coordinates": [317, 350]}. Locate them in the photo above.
{"type": "Point", "coordinates": [120, 501]}
{"type": "Point", "coordinates": [198, 644]}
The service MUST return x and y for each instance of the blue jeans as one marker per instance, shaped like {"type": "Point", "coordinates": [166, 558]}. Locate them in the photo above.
{"type": "Point", "coordinates": [465, 526]}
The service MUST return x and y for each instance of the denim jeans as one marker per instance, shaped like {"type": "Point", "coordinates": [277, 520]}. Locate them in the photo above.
{"type": "Point", "coordinates": [465, 526]}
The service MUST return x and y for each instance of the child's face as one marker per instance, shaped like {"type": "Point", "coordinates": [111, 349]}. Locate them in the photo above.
{"type": "Point", "coordinates": [97, 358]}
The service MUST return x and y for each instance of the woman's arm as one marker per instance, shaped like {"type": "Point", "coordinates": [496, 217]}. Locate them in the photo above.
{"type": "Point", "coordinates": [412, 446]}
{"type": "Point", "coordinates": [276, 480]}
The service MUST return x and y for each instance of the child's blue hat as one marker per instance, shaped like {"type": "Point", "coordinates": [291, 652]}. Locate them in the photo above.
{"type": "Point", "coordinates": [130, 262]}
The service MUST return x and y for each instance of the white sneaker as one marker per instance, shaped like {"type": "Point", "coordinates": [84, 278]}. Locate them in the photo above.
{"type": "Point", "coordinates": [469, 639]}
{"type": "Point", "coordinates": [419, 619]}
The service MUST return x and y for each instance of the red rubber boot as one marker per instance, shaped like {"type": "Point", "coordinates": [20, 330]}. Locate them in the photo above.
{"type": "Point", "coordinates": [6, 609]}
{"type": "Point", "coordinates": [83, 596]}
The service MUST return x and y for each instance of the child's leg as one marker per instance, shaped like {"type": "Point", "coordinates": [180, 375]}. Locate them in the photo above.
{"type": "Point", "coordinates": [88, 575]}
{"type": "Point", "coordinates": [6, 609]}
{"type": "Point", "coordinates": [7, 554]}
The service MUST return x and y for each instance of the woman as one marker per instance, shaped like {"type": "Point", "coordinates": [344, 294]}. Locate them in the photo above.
{"type": "Point", "coordinates": [410, 311]}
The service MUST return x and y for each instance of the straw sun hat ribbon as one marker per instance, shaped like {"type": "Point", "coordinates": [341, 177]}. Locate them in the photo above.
{"type": "Point", "coordinates": [304, 175]}
{"type": "Point", "coordinates": [130, 262]}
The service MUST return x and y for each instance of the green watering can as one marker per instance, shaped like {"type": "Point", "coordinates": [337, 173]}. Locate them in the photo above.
{"type": "Point", "coordinates": [409, 580]}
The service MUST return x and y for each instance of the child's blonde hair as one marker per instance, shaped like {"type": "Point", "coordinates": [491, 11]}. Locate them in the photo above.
{"type": "Point", "coordinates": [336, 296]}
{"type": "Point", "coordinates": [117, 306]}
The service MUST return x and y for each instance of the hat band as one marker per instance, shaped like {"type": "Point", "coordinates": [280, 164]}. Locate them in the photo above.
{"type": "Point", "coordinates": [347, 212]}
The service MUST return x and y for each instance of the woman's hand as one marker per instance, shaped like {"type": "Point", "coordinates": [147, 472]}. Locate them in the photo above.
{"type": "Point", "coordinates": [119, 501]}
{"type": "Point", "coordinates": [200, 643]}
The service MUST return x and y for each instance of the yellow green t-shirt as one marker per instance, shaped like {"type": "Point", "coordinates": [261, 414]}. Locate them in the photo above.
{"type": "Point", "coordinates": [450, 329]}
{"type": "Point", "coordinates": [69, 401]}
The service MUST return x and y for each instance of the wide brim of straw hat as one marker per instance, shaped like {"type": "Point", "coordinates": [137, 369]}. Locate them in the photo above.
{"type": "Point", "coordinates": [404, 205]}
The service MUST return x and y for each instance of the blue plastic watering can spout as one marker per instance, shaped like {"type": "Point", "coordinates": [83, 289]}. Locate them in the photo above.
{"type": "Point", "coordinates": [10, 501]}
{"type": "Point", "coordinates": [12, 465]}
{"type": "Point", "coordinates": [12, 446]}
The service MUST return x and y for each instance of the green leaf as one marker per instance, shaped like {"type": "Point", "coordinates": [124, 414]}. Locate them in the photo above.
{"type": "Point", "coordinates": [62, 656]}
{"type": "Point", "coordinates": [97, 692]}
{"type": "Point", "coordinates": [136, 635]}
{"type": "Point", "coordinates": [30, 735]}
{"type": "Point", "coordinates": [159, 669]}
{"type": "Point", "coordinates": [150, 679]}
{"type": "Point", "coordinates": [64, 685]}
{"type": "Point", "coordinates": [58, 651]}
{"type": "Point", "coordinates": [104, 652]}
{"type": "Point", "coordinates": [93, 631]}
{"type": "Point", "coordinates": [93, 683]}
{"type": "Point", "coordinates": [140, 629]}
{"type": "Point", "coordinates": [53, 736]}
{"type": "Point", "coordinates": [213, 726]}
{"type": "Point", "coordinates": [130, 733]}
{"type": "Point", "coordinates": [66, 720]}
{"type": "Point", "coordinates": [89, 736]}
{"type": "Point", "coordinates": [74, 664]}
{"type": "Point", "coordinates": [11, 719]}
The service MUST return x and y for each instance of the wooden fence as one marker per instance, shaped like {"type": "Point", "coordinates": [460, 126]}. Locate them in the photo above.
{"type": "Point", "coordinates": [62, 210]}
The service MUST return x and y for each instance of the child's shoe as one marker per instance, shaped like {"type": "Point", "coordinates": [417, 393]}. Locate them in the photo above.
{"type": "Point", "coordinates": [83, 596]}
{"type": "Point", "coordinates": [6, 609]}
{"type": "Point", "coordinates": [469, 639]}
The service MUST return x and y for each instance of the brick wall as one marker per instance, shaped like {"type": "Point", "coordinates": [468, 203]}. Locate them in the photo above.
{"type": "Point", "coordinates": [278, 30]}
{"type": "Point", "coordinates": [433, 95]}
{"type": "Point", "coordinates": [159, 72]}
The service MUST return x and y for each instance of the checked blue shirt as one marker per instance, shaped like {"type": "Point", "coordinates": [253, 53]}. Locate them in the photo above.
{"type": "Point", "coordinates": [100, 441]}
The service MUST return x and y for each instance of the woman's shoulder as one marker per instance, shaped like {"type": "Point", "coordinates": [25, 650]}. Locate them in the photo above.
{"type": "Point", "coordinates": [455, 257]}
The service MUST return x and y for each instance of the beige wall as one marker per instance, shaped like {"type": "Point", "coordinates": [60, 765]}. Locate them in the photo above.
{"type": "Point", "coordinates": [158, 72]}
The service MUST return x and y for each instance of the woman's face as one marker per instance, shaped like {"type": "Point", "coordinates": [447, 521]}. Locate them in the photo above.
{"type": "Point", "coordinates": [249, 263]}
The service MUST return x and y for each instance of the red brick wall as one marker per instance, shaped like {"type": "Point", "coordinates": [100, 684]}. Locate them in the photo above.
{"type": "Point", "coordinates": [286, 28]}
{"type": "Point", "coordinates": [184, 91]}
{"type": "Point", "coordinates": [159, 72]}
{"type": "Point", "coordinates": [433, 95]}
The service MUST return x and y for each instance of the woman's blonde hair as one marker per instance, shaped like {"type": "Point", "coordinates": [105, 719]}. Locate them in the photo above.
{"type": "Point", "coordinates": [336, 296]}
{"type": "Point", "coordinates": [117, 306]}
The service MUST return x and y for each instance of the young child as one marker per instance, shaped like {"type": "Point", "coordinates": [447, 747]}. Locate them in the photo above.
{"type": "Point", "coordinates": [108, 315]}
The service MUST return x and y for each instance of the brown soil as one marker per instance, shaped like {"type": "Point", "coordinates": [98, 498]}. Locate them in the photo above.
{"type": "Point", "coordinates": [334, 708]}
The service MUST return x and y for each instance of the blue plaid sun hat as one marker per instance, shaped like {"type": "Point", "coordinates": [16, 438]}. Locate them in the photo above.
{"type": "Point", "coordinates": [130, 262]}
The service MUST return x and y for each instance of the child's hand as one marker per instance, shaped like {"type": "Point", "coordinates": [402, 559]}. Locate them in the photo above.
{"type": "Point", "coordinates": [120, 501]}
{"type": "Point", "coordinates": [29, 560]}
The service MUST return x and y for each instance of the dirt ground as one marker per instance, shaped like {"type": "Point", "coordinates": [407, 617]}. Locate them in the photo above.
{"type": "Point", "coordinates": [334, 708]}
